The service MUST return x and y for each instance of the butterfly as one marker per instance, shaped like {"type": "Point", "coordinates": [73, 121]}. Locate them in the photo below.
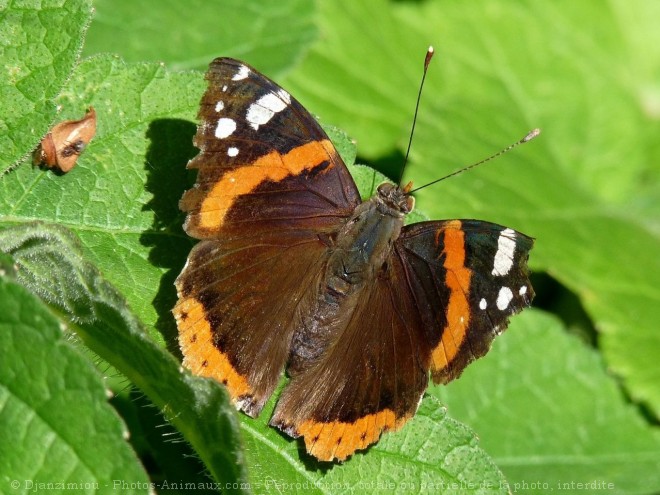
{"type": "Point", "coordinates": [294, 273]}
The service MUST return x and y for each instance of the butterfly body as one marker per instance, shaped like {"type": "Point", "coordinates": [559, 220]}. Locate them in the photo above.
{"type": "Point", "coordinates": [293, 272]}
{"type": "Point", "coordinates": [364, 242]}
{"type": "Point", "coordinates": [357, 253]}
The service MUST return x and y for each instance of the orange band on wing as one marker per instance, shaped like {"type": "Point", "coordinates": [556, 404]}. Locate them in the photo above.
{"type": "Point", "coordinates": [200, 354]}
{"type": "Point", "coordinates": [338, 440]}
{"type": "Point", "coordinates": [273, 166]}
{"type": "Point", "coordinates": [457, 280]}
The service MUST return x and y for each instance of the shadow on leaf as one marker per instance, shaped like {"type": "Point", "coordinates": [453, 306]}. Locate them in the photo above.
{"type": "Point", "coordinates": [167, 178]}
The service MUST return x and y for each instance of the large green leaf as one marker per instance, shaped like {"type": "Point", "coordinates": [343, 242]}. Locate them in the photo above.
{"type": "Point", "coordinates": [124, 192]}
{"type": "Point", "coordinates": [48, 260]}
{"type": "Point", "coordinates": [188, 35]}
{"type": "Point", "coordinates": [39, 45]}
{"type": "Point", "coordinates": [577, 426]}
{"type": "Point", "coordinates": [55, 421]}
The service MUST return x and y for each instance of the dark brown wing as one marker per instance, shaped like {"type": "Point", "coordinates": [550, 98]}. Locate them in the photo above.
{"type": "Point", "coordinates": [270, 186]}
{"type": "Point", "coordinates": [424, 312]}
{"type": "Point", "coordinates": [467, 277]}
{"type": "Point", "coordinates": [369, 381]}
{"type": "Point", "coordinates": [264, 163]}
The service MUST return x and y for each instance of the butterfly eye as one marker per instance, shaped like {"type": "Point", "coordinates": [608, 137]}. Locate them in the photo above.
{"type": "Point", "coordinates": [385, 189]}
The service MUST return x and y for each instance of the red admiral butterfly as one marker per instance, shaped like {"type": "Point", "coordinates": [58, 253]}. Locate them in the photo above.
{"type": "Point", "coordinates": [295, 272]}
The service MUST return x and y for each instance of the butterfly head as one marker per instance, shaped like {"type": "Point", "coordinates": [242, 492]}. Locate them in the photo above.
{"type": "Point", "coordinates": [396, 198]}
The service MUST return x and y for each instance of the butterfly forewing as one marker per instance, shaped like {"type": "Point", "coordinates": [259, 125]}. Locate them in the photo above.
{"type": "Point", "coordinates": [269, 186]}
{"type": "Point", "coordinates": [264, 163]}
{"type": "Point", "coordinates": [468, 277]}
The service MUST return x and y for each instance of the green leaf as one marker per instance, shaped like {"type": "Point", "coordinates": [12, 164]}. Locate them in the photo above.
{"type": "Point", "coordinates": [188, 35]}
{"type": "Point", "coordinates": [39, 46]}
{"type": "Point", "coordinates": [49, 261]}
{"type": "Point", "coordinates": [577, 427]}
{"type": "Point", "coordinates": [431, 454]}
{"type": "Point", "coordinates": [55, 421]}
{"type": "Point", "coordinates": [122, 198]}
{"type": "Point", "coordinates": [344, 144]}
{"type": "Point", "coordinates": [364, 86]}
{"type": "Point", "coordinates": [501, 69]}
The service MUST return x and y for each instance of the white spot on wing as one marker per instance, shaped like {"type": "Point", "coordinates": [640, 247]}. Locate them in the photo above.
{"type": "Point", "coordinates": [284, 95]}
{"type": "Point", "coordinates": [483, 304]}
{"type": "Point", "coordinates": [506, 246]}
{"type": "Point", "coordinates": [224, 88]}
{"type": "Point", "coordinates": [225, 128]}
{"type": "Point", "coordinates": [504, 297]}
{"type": "Point", "coordinates": [232, 151]}
{"type": "Point", "coordinates": [261, 111]}
{"type": "Point", "coordinates": [242, 73]}
{"type": "Point", "coordinates": [219, 106]}
{"type": "Point", "coordinates": [523, 290]}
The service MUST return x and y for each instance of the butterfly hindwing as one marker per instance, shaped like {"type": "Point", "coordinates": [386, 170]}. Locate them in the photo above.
{"type": "Point", "coordinates": [369, 380]}
{"type": "Point", "coordinates": [270, 186]}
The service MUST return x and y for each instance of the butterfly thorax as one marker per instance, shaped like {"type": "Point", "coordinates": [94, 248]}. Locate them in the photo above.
{"type": "Point", "coordinates": [365, 241]}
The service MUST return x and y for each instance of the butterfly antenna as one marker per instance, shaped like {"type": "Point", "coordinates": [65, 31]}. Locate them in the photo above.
{"type": "Point", "coordinates": [530, 135]}
{"type": "Point", "coordinates": [427, 60]}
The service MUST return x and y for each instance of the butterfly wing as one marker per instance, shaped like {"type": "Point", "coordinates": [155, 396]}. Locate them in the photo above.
{"type": "Point", "coordinates": [369, 380]}
{"type": "Point", "coordinates": [468, 277]}
{"type": "Point", "coordinates": [264, 164]}
{"type": "Point", "coordinates": [423, 312]}
{"type": "Point", "coordinates": [270, 189]}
